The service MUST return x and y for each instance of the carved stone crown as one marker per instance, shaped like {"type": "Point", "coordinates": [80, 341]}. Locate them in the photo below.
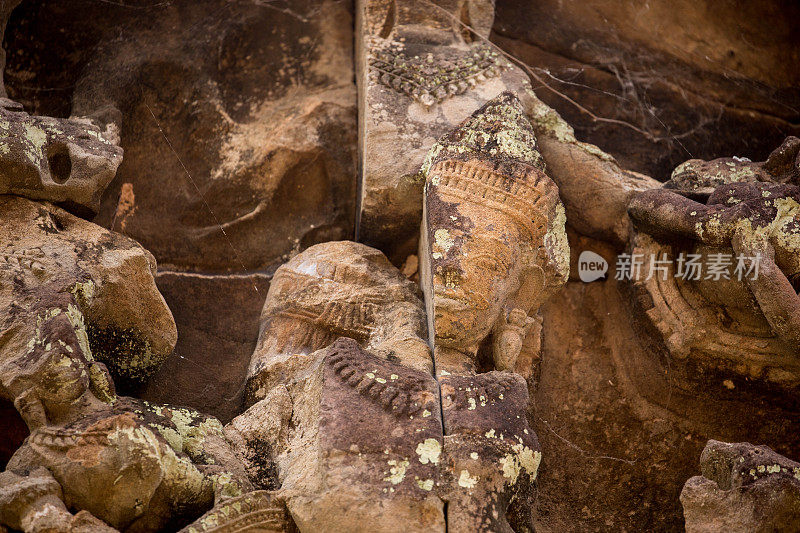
{"type": "Point", "coordinates": [492, 159]}
{"type": "Point", "coordinates": [524, 197]}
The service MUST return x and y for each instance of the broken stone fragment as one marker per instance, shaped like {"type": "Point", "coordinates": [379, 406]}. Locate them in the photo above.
{"type": "Point", "coordinates": [697, 179]}
{"type": "Point", "coordinates": [55, 263]}
{"type": "Point", "coordinates": [361, 450]}
{"type": "Point", "coordinates": [337, 289]}
{"type": "Point", "coordinates": [260, 510]}
{"type": "Point", "coordinates": [742, 325]}
{"type": "Point", "coordinates": [742, 488]}
{"type": "Point", "coordinates": [491, 455]}
{"type": "Point", "coordinates": [65, 161]}
{"type": "Point", "coordinates": [493, 244]}
{"type": "Point", "coordinates": [136, 466]}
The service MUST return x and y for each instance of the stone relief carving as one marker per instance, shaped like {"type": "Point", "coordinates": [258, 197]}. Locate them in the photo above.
{"type": "Point", "coordinates": [371, 403]}
{"type": "Point", "coordinates": [420, 73]}
{"type": "Point", "coordinates": [494, 246]}
{"type": "Point", "coordinates": [748, 323]}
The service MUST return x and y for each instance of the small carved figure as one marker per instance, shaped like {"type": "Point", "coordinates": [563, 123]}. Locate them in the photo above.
{"type": "Point", "coordinates": [493, 238]}
{"type": "Point", "coordinates": [136, 466]}
{"type": "Point", "coordinates": [508, 336]}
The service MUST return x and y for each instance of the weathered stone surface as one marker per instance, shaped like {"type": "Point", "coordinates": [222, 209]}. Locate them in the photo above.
{"type": "Point", "coordinates": [229, 131]}
{"type": "Point", "coordinates": [615, 418]}
{"type": "Point", "coordinates": [494, 246]}
{"type": "Point", "coordinates": [134, 465]}
{"type": "Point", "coordinates": [676, 79]}
{"type": "Point", "coordinates": [66, 161]}
{"type": "Point", "coordinates": [420, 74]}
{"type": "Point", "coordinates": [742, 488]}
{"type": "Point", "coordinates": [361, 448]}
{"type": "Point", "coordinates": [57, 264]}
{"type": "Point", "coordinates": [337, 289]}
{"type": "Point", "coordinates": [254, 511]}
{"type": "Point", "coordinates": [741, 325]}
{"type": "Point", "coordinates": [697, 179]}
{"type": "Point", "coordinates": [491, 456]}
{"type": "Point", "coordinates": [595, 189]}
{"type": "Point", "coordinates": [217, 317]}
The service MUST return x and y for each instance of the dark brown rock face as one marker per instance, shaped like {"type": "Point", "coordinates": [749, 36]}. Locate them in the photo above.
{"type": "Point", "coordinates": [237, 114]}
{"type": "Point", "coordinates": [614, 419]}
{"type": "Point", "coordinates": [694, 79]}
{"type": "Point", "coordinates": [217, 320]}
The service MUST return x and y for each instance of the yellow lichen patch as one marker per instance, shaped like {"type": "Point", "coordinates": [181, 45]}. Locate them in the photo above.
{"type": "Point", "coordinates": [523, 458]}
{"type": "Point", "coordinates": [528, 459]}
{"type": "Point", "coordinates": [511, 467]}
{"type": "Point", "coordinates": [76, 319]}
{"type": "Point", "coordinates": [443, 239]}
{"type": "Point", "coordinates": [426, 484]}
{"type": "Point", "coordinates": [556, 242]}
{"type": "Point", "coordinates": [780, 228]}
{"type": "Point", "coordinates": [429, 451]}
{"type": "Point", "coordinates": [466, 480]}
{"type": "Point", "coordinates": [83, 292]}
{"type": "Point", "coordinates": [225, 486]}
{"type": "Point", "coordinates": [397, 471]}
{"type": "Point", "coordinates": [36, 140]}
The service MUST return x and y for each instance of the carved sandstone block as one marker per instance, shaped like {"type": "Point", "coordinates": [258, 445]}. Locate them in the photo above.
{"type": "Point", "coordinates": [420, 73]}
{"type": "Point", "coordinates": [363, 447]}
{"type": "Point", "coordinates": [493, 243]}
{"type": "Point", "coordinates": [741, 326]}
{"type": "Point", "coordinates": [337, 289]}
{"type": "Point", "coordinates": [66, 161]}
{"type": "Point", "coordinates": [136, 466]}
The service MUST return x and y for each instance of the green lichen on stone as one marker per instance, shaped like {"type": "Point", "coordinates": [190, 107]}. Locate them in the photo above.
{"type": "Point", "coordinates": [500, 129]}
{"type": "Point", "coordinates": [83, 292]}
{"type": "Point", "coordinates": [36, 140]}
{"type": "Point", "coordinates": [125, 353]}
{"type": "Point", "coordinates": [547, 121]}
{"type": "Point", "coordinates": [556, 242]}
{"type": "Point", "coordinates": [782, 228]}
